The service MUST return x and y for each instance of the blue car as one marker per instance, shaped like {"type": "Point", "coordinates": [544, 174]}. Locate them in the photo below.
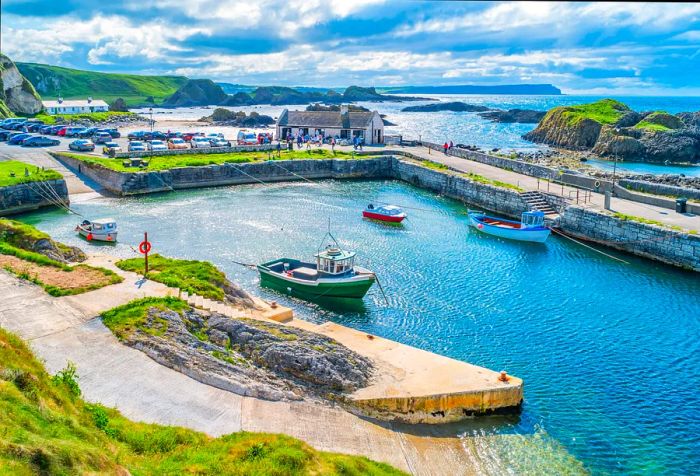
{"type": "Point", "coordinates": [40, 141]}
{"type": "Point", "coordinates": [18, 138]}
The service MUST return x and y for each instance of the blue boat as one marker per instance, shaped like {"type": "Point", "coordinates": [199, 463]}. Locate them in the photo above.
{"type": "Point", "coordinates": [530, 227]}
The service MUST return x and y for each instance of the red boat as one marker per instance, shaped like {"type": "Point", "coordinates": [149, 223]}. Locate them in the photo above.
{"type": "Point", "coordinates": [388, 213]}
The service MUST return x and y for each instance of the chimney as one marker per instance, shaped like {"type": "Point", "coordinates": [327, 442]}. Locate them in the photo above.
{"type": "Point", "coordinates": [89, 99]}
{"type": "Point", "coordinates": [343, 109]}
{"type": "Point", "coordinates": [60, 99]}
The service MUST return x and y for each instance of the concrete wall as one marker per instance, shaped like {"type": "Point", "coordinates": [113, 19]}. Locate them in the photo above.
{"type": "Point", "coordinates": [30, 196]}
{"type": "Point", "coordinates": [651, 241]}
{"type": "Point", "coordinates": [656, 200]}
{"type": "Point", "coordinates": [660, 188]}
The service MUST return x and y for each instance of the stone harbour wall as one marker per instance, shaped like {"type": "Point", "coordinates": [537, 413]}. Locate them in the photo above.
{"type": "Point", "coordinates": [203, 150]}
{"type": "Point", "coordinates": [30, 196]}
{"type": "Point", "coordinates": [659, 188]}
{"type": "Point", "coordinates": [651, 241]}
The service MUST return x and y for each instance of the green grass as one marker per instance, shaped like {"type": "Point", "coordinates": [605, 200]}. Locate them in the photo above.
{"type": "Point", "coordinates": [496, 183]}
{"type": "Point", "coordinates": [434, 165]}
{"type": "Point", "coordinates": [166, 162]}
{"type": "Point", "coordinates": [651, 126]}
{"type": "Point", "coordinates": [605, 111]}
{"type": "Point", "coordinates": [31, 256]}
{"type": "Point", "coordinates": [22, 235]}
{"type": "Point", "coordinates": [659, 121]}
{"type": "Point", "coordinates": [125, 319]}
{"type": "Point", "coordinates": [194, 277]}
{"type": "Point", "coordinates": [35, 174]}
{"type": "Point", "coordinates": [84, 116]}
{"type": "Point", "coordinates": [78, 84]}
{"type": "Point", "coordinates": [647, 221]}
{"type": "Point", "coordinates": [46, 428]}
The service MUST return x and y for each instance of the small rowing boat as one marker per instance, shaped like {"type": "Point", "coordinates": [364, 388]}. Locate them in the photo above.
{"type": "Point", "coordinates": [104, 229]}
{"type": "Point", "coordinates": [530, 227]}
{"type": "Point", "coordinates": [334, 275]}
{"type": "Point", "coordinates": [387, 213]}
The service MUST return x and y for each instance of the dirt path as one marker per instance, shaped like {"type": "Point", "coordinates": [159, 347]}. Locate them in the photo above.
{"type": "Point", "coordinates": [80, 277]}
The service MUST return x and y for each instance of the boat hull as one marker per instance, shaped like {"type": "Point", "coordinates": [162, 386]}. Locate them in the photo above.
{"type": "Point", "coordinates": [91, 236]}
{"type": "Point", "coordinates": [533, 235]}
{"type": "Point", "coordinates": [352, 289]}
{"type": "Point", "coordinates": [382, 217]}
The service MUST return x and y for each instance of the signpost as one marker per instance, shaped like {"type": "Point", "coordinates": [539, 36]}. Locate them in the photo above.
{"type": "Point", "coordinates": [144, 249]}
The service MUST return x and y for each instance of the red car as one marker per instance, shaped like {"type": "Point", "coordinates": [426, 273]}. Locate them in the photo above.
{"type": "Point", "coordinates": [62, 131]}
{"type": "Point", "coordinates": [187, 136]}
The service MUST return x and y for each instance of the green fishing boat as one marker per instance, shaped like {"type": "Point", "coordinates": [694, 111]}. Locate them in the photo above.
{"type": "Point", "coordinates": [333, 275]}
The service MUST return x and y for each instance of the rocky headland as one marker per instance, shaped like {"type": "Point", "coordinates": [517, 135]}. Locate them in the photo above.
{"type": "Point", "coordinates": [226, 117]}
{"type": "Point", "coordinates": [17, 95]}
{"type": "Point", "coordinates": [526, 116]}
{"type": "Point", "coordinates": [456, 106]}
{"type": "Point", "coordinates": [245, 356]}
{"type": "Point", "coordinates": [610, 128]}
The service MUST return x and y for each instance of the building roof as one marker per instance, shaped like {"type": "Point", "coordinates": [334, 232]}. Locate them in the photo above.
{"type": "Point", "coordinates": [75, 103]}
{"type": "Point", "coordinates": [323, 119]}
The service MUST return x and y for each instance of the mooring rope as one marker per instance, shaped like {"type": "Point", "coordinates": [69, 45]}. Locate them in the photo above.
{"type": "Point", "coordinates": [587, 246]}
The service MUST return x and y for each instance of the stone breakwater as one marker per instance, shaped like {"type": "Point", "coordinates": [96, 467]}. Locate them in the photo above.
{"type": "Point", "coordinates": [30, 196]}
{"type": "Point", "coordinates": [670, 246]}
{"type": "Point", "coordinates": [204, 150]}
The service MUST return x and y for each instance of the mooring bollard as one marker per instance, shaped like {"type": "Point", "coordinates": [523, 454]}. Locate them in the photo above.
{"type": "Point", "coordinates": [504, 376]}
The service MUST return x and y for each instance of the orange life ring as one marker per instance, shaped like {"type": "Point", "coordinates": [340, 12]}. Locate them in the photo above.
{"type": "Point", "coordinates": [89, 237]}
{"type": "Point", "coordinates": [144, 247]}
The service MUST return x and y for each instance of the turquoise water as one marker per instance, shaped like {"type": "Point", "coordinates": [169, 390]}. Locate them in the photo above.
{"type": "Point", "coordinates": [609, 352]}
{"type": "Point", "coordinates": [642, 168]}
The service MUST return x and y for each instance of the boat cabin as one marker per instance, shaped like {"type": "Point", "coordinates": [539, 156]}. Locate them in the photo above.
{"type": "Point", "coordinates": [104, 225]}
{"type": "Point", "coordinates": [532, 219]}
{"type": "Point", "coordinates": [334, 261]}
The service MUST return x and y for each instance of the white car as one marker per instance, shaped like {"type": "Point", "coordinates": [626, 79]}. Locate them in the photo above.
{"type": "Point", "coordinates": [200, 143]}
{"type": "Point", "coordinates": [136, 146]}
{"type": "Point", "coordinates": [155, 145]}
{"type": "Point", "coordinates": [218, 142]}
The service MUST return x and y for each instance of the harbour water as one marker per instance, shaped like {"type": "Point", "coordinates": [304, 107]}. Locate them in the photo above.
{"type": "Point", "coordinates": [609, 352]}
{"type": "Point", "coordinates": [470, 128]}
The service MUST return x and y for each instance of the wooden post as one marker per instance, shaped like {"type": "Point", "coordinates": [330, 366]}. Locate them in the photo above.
{"type": "Point", "coordinates": [145, 240]}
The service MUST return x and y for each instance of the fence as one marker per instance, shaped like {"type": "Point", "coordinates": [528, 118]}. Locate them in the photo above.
{"type": "Point", "coordinates": [207, 150]}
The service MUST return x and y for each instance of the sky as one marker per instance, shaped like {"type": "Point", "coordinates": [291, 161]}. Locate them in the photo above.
{"type": "Point", "coordinates": [582, 48]}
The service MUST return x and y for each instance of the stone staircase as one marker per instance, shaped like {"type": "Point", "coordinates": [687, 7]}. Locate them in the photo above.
{"type": "Point", "coordinates": [537, 201]}
{"type": "Point", "coordinates": [276, 314]}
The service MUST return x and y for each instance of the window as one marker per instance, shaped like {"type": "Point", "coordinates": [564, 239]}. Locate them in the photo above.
{"type": "Point", "coordinates": [344, 134]}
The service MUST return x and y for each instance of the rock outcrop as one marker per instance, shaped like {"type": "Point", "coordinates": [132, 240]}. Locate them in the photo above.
{"type": "Point", "coordinates": [250, 357]}
{"type": "Point", "coordinates": [29, 238]}
{"type": "Point", "coordinates": [197, 92]}
{"type": "Point", "coordinates": [456, 106]}
{"type": "Point", "coordinates": [523, 116]}
{"type": "Point", "coordinates": [17, 95]}
{"type": "Point", "coordinates": [222, 116]}
{"type": "Point", "coordinates": [610, 128]}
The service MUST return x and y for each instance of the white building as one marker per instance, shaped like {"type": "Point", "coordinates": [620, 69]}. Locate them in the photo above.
{"type": "Point", "coordinates": [75, 106]}
{"type": "Point", "coordinates": [343, 124]}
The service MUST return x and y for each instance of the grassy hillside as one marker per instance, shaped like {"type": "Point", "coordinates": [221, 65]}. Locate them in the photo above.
{"type": "Point", "coordinates": [46, 428]}
{"type": "Point", "coordinates": [78, 84]}
{"type": "Point", "coordinates": [605, 111]}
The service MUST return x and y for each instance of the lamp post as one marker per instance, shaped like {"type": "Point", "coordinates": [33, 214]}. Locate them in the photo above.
{"type": "Point", "coordinates": [150, 111]}
{"type": "Point", "coordinates": [617, 132]}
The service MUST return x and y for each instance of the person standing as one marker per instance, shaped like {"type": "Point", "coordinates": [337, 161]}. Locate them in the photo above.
{"type": "Point", "coordinates": [333, 145]}
{"type": "Point", "coordinates": [445, 146]}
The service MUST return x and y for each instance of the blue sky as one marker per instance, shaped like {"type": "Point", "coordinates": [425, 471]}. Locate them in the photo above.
{"type": "Point", "coordinates": [592, 48]}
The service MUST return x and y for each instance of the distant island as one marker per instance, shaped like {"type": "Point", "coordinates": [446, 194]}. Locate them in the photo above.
{"type": "Point", "coordinates": [610, 128]}
{"type": "Point", "coordinates": [531, 89]}
{"type": "Point", "coordinates": [525, 116]}
{"type": "Point", "coordinates": [446, 106]}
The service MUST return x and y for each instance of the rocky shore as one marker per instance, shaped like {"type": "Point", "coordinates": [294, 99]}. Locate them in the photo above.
{"type": "Point", "coordinates": [251, 357]}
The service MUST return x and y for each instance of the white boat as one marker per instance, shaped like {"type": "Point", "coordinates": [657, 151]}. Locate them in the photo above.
{"type": "Point", "coordinates": [104, 229]}
{"type": "Point", "coordinates": [530, 227]}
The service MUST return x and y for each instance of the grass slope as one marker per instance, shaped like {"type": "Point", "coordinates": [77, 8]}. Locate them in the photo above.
{"type": "Point", "coordinates": [77, 84]}
{"type": "Point", "coordinates": [46, 428]}
{"type": "Point", "coordinates": [605, 111]}
{"type": "Point", "coordinates": [194, 277]}
{"type": "Point", "coordinates": [16, 167]}
{"type": "Point", "coordinates": [166, 162]}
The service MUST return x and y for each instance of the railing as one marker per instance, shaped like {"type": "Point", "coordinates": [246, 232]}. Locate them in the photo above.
{"type": "Point", "coordinates": [578, 195]}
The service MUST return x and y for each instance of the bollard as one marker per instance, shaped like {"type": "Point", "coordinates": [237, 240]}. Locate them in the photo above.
{"type": "Point", "coordinates": [273, 304]}
{"type": "Point", "coordinates": [504, 376]}
{"type": "Point", "coordinates": [608, 196]}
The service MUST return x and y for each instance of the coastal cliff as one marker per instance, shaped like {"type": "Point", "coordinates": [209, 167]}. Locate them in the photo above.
{"type": "Point", "coordinates": [610, 128]}
{"type": "Point", "coordinates": [17, 95]}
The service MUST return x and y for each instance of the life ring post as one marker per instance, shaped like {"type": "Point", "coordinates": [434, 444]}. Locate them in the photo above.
{"type": "Point", "coordinates": [144, 249]}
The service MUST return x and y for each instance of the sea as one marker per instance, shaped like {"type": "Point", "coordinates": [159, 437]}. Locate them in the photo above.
{"type": "Point", "coordinates": [470, 129]}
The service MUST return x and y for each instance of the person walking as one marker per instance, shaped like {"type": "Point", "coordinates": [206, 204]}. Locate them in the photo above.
{"type": "Point", "coordinates": [451, 145]}
{"type": "Point", "coordinates": [445, 147]}
{"type": "Point", "coordinates": [333, 145]}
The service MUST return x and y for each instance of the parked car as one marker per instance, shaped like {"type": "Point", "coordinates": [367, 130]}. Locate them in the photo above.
{"type": "Point", "coordinates": [247, 138]}
{"type": "Point", "coordinates": [173, 134]}
{"type": "Point", "coordinates": [17, 126]}
{"type": "Point", "coordinates": [44, 129]}
{"type": "Point", "coordinates": [200, 142]}
{"type": "Point", "coordinates": [87, 133]}
{"type": "Point", "coordinates": [6, 123]}
{"type": "Point", "coordinates": [101, 138]}
{"type": "Point", "coordinates": [4, 135]}
{"type": "Point", "coordinates": [156, 135]}
{"type": "Point", "coordinates": [177, 143]}
{"type": "Point", "coordinates": [74, 131]}
{"type": "Point", "coordinates": [35, 126]}
{"type": "Point", "coordinates": [16, 139]}
{"type": "Point", "coordinates": [218, 142]}
{"type": "Point", "coordinates": [40, 141]}
{"type": "Point", "coordinates": [55, 129]}
{"type": "Point", "coordinates": [112, 131]}
{"type": "Point", "coordinates": [137, 146]}
{"type": "Point", "coordinates": [110, 148]}
{"type": "Point", "coordinates": [155, 145]}
{"type": "Point", "coordinates": [62, 131]}
{"type": "Point", "coordinates": [188, 136]}
{"type": "Point", "coordinates": [83, 145]}
{"type": "Point", "coordinates": [137, 135]}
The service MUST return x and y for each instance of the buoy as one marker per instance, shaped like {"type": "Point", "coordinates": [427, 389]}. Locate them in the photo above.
{"type": "Point", "coordinates": [89, 237]}
{"type": "Point", "coordinates": [480, 226]}
{"type": "Point", "coordinates": [504, 376]}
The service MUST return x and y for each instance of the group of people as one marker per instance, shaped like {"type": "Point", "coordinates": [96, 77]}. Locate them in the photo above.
{"type": "Point", "coordinates": [447, 147]}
